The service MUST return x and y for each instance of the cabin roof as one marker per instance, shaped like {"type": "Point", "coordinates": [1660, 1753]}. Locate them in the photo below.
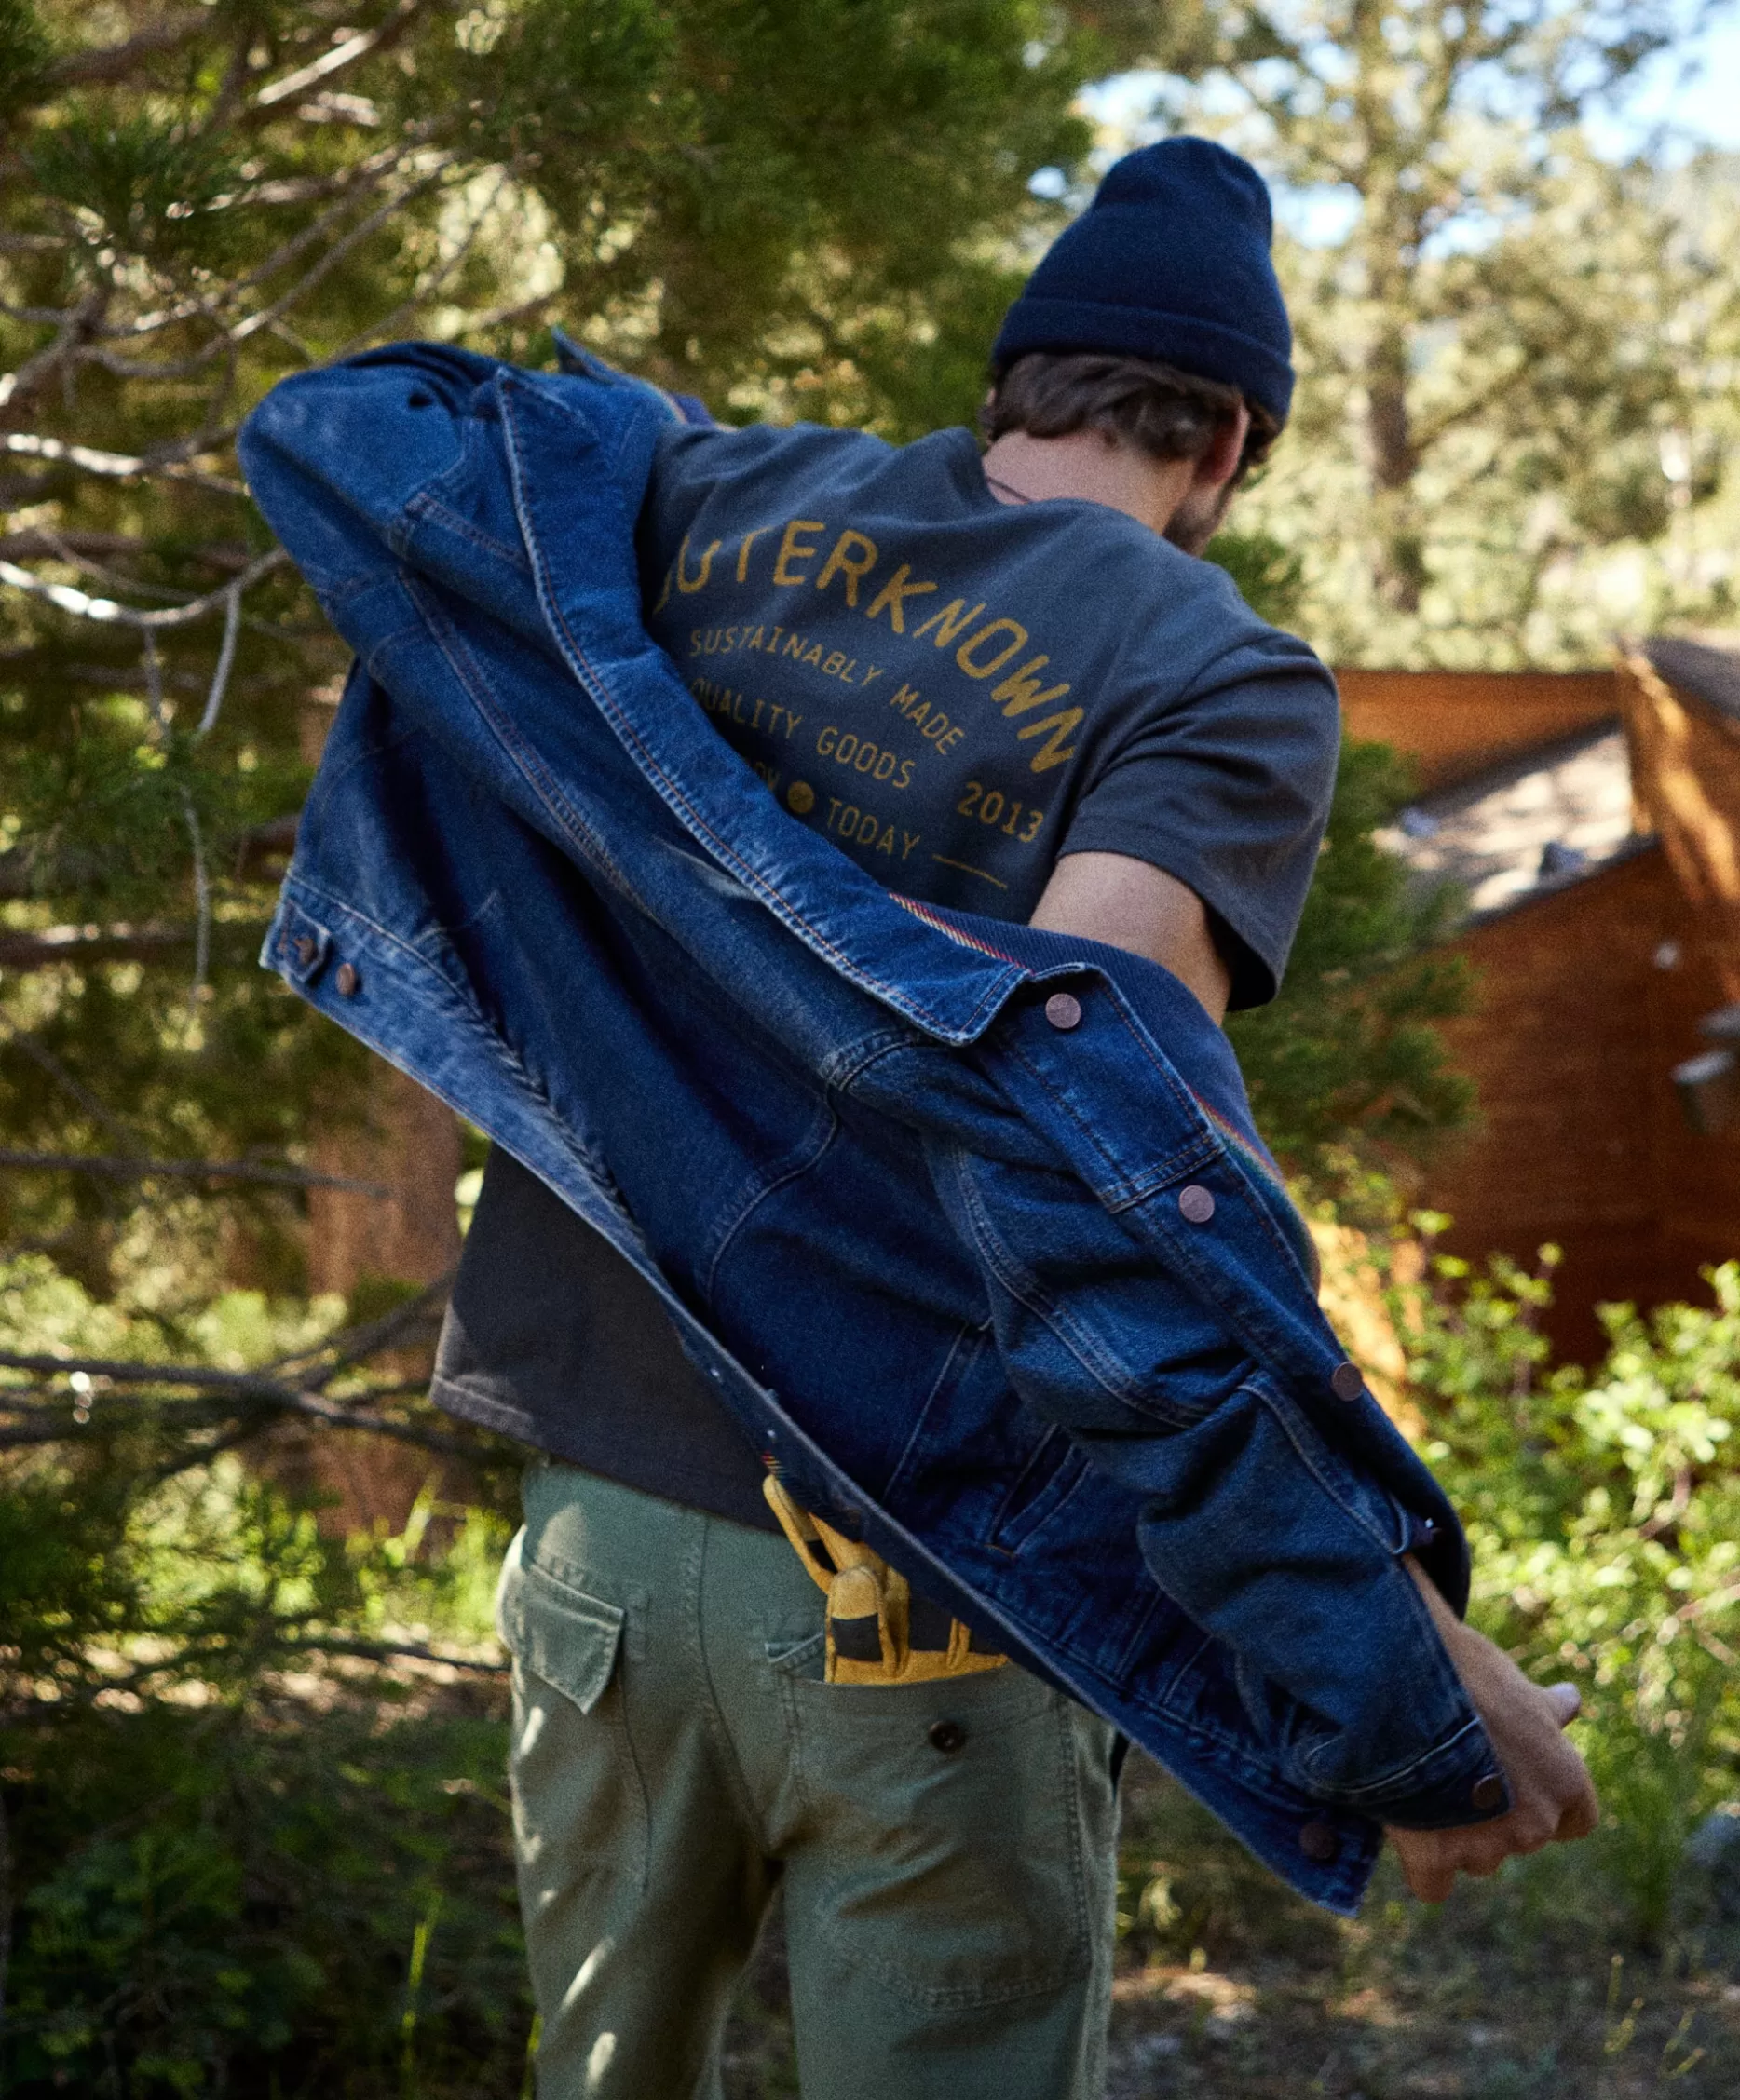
{"type": "Point", "coordinates": [1703, 668]}
{"type": "Point", "coordinates": [1526, 829]}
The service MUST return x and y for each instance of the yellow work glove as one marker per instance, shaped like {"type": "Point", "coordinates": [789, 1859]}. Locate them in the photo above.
{"type": "Point", "coordinates": [878, 1633]}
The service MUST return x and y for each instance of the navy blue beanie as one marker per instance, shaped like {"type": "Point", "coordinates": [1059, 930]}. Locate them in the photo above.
{"type": "Point", "coordinates": [1171, 262]}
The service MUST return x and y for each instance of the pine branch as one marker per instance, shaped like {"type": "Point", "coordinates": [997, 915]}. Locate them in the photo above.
{"type": "Point", "coordinates": [136, 1371]}
{"type": "Point", "coordinates": [352, 1344]}
{"type": "Point", "coordinates": [246, 1390]}
{"type": "Point", "coordinates": [77, 944]}
{"type": "Point", "coordinates": [339, 59]}
{"type": "Point", "coordinates": [111, 466]}
{"type": "Point", "coordinates": [355, 183]}
{"type": "Point", "coordinates": [22, 1041]}
{"type": "Point", "coordinates": [332, 1414]}
{"type": "Point", "coordinates": [43, 545]}
{"type": "Point", "coordinates": [112, 1168]}
{"type": "Point", "coordinates": [105, 64]}
{"type": "Point", "coordinates": [19, 389]}
{"type": "Point", "coordinates": [272, 1641]}
{"type": "Point", "coordinates": [386, 1651]}
{"type": "Point", "coordinates": [106, 612]}
{"type": "Point", "coordinates": [231, 338]}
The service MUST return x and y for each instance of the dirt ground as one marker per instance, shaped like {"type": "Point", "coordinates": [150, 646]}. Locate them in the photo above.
{"type": "Point", "coordinates": [1536, 1987]}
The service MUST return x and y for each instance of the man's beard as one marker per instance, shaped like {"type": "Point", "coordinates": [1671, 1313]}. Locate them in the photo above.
{"type": "Point", "coordinates": [1197, 518]}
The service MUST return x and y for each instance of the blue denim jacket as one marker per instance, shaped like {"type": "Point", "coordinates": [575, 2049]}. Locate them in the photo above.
{"type": "Point", "coordinates": [1004, 1281]}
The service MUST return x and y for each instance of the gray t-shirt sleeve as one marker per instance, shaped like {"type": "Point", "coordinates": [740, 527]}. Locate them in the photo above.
{"type": "Point", "coordinates": [1226, 784]}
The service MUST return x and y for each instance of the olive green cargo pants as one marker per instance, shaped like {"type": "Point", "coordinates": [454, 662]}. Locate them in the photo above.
{"type": "Point", "coordinates": [946, 1850]}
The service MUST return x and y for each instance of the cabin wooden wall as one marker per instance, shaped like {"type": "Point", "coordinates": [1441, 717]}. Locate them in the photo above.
{"type": "Point", "coordinates": [1458, 724]}
{"type": "Point", "coordinates": [1685, 775]}
{"type": "Point", "coordinates": [1587, 999]}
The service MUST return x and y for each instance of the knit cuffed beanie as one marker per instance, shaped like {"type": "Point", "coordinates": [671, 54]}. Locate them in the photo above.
{"type": "Point", "coordinates": [1171, 262]}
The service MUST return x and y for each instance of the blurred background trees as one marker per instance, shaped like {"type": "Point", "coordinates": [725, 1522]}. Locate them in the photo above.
{"type": "Point", "coordinates": [1518, 324]}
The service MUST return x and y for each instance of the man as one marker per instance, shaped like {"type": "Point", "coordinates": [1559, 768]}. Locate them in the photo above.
{"type": "Point", "coordinates": [1002, 684]}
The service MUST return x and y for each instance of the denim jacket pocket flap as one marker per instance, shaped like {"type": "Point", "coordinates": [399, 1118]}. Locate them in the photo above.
{"type": "Point", "coordinates": [563, 1636]}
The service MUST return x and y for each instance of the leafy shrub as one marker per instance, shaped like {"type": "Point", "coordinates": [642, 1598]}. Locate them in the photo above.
{"type": "Point", "coordinates": [1603, 1510]}
{"type": "Point", "coordinates": [256, 1831]}
{"type": "Point", "coordinates": [1346, 1070]}
{"type": "Point", "coordinates": [229, 1897]}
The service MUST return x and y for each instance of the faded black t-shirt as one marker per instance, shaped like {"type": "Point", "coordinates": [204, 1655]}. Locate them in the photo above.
{"type": "Point", "coordinates": [957, 692]}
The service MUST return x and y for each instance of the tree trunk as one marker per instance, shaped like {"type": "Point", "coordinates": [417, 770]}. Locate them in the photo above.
{"type": "Point", "coordinates": [409, 1143]}
{"type": "Point", "coordinates": [1390, 244]}
{"type": "Point", "coordinates": [410, 1234]}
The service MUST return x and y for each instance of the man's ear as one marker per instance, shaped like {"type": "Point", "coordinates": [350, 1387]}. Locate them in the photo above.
{"type": "Point", "coordinates": [1221, 462]}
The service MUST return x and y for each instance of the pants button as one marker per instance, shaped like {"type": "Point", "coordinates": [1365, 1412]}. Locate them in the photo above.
{"type": "Point", "coordinates": [947, 1736]}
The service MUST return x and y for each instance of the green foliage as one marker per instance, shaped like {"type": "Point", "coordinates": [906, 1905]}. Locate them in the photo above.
{"type": "Point", "coordinates": [150, 188]}
{"type": "Point", "coordinates": [1270, 574]}
{"type": "Point", "coordinates": [125, 1517]}
{"type": "Point", "coordinates": [25, 51]}
{"type": "Point", "coordinates": [1345, 1068]}
{"type": "Point", "coordinates": [227, 1899]}
{"type": "Point", "coordinates": [1603, 1510]}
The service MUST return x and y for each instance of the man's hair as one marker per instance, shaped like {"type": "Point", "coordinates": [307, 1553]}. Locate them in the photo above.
{"type": "Point", "coordinates": [1169, 414]}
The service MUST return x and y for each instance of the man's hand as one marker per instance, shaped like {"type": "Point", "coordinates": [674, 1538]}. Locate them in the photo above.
{"type": "Point", "coordinates": [1551, 1795]}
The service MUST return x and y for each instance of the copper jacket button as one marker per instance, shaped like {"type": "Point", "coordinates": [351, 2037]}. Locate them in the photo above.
{"type": "Point", "coordinates": [1063, 1010]}
{"type": "Point", "coordinates": [1196, 1206]}
{"type": "Point", "coordinates": [1488, 1794]}
{"type": "Point", "coordinates": [1347, 1382]}
{"type": "Point", "coordinates": [1318, 1843]}
{"type": "Point", "coordinates": [307, 947]}
{"type": "Point", "coordinates": [350, 983]}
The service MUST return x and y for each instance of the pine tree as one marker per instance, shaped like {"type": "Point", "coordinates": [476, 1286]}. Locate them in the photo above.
{"type": "Point", "coordinates": [789, 209]}
{"type": "Point", "coordinates": [1516, 349]}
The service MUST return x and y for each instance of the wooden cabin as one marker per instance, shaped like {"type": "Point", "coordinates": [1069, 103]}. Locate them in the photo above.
{"type": "Point", "coordinates": [1601, 862]}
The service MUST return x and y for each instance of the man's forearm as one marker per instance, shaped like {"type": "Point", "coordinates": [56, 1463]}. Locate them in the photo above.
{"type": "Point", "coordinates": [1127, 903]}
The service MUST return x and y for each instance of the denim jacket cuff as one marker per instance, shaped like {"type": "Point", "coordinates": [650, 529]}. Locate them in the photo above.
{"type": "Point", "coordinates": [1457, 1782]}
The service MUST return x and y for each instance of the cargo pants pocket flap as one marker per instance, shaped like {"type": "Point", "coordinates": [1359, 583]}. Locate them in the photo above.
{"type": "Point", "coordinates": [557, 1632]}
